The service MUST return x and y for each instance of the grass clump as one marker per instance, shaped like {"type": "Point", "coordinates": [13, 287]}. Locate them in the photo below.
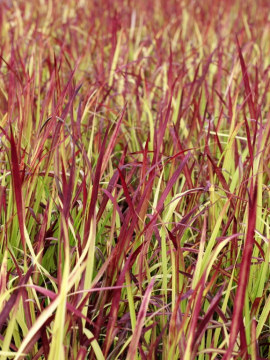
{"type": "Point", "coordinates": [134, 180]}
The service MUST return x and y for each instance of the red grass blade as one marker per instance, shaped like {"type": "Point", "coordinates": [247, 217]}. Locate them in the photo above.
{"type": "Point", "coordinates": [17, 184]}
{"type": "Point", "coordinates": [246, 83]}
{"type": "Point", "coordinates": [243, 275]}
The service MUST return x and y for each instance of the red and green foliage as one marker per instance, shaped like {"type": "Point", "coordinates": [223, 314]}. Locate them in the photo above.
{"type": "Point", "coordinates": [134, 179]}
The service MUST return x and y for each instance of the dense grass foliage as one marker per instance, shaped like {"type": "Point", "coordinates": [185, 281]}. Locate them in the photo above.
{"type": "Point", "coordinates": [134, 179]}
